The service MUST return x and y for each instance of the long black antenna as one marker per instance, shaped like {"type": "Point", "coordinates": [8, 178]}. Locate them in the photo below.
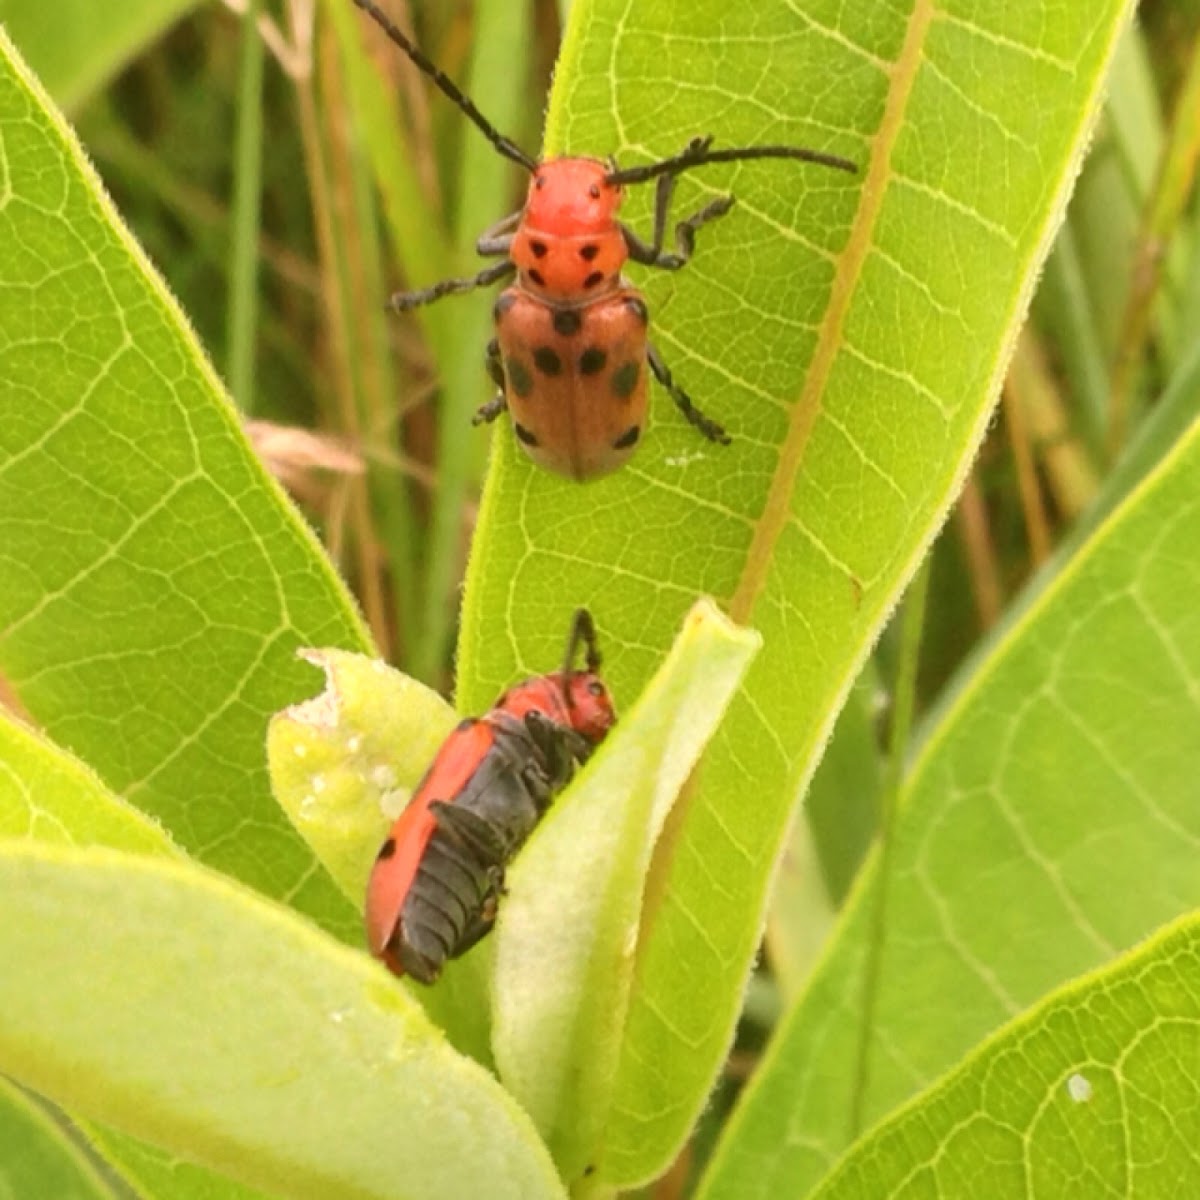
{"type": "Point", "coordinates": [583, 631]}
{"type": "Point", "coordinates": [504, 145]}
{"type": "Point", "coordinates": [698, 154]}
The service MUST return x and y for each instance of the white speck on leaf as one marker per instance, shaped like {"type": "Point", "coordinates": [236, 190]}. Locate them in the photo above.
{"type": "Point", "coordinates": [392, 803]}
{"type": "Point", "coordinates": [383, 776]}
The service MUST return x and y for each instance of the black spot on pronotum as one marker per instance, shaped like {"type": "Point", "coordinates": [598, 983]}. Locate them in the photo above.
{"type": "Point", "coordinates": [519, 378]}
{"type": "Point", "coordinates": [594, 278]}
{"type": "Point", "coordinates": [386, 850]}
{"type": "Point", "coordinates": [504, 302]}
{"type": "Point", "coordinates": [524, 435]}
{"type": "Point", "coordinates": [567, 321]}
{"type": "Point", "coordinates": [537, 278]}
{"type": "Point", "coordinates": [468, 722]}
{"type": "Point", "coordinates": [637, 306]}
{"type": "Point", "coordinates": [547, 361]}
{"type": "Point", "coordinates": [538, 248]}
{"type": "Point", "coordinates": [624, 380]}
{"type": "Point", "coordinates": [588, 252]}
{"type": "Point", "coordinates": [592, 360]}
{"type": "Point", "coordinates": [628, 438]}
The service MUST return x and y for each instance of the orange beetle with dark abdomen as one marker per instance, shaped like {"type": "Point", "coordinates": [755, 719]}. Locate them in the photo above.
{"type": "Point", "coordinates": [571, 351]}
{"type": "Point", "coordinates": [438, 878]}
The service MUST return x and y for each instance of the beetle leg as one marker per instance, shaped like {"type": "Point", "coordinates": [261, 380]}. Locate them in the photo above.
{"type": "Point", "coordinates": [496, 240]}
{"type": "Point", "coordinates": [479, 926]}
{"type": "Point", "coordinates": [580, 748]}
{"type": "Point", "coordinates": [557, 748]}
{"type": "Point", "coordinates": [486, 413]}
{"type": "Point", "coordinates": [469, 830]}
{"type": "Point", "coordinates": [651, 254]}
{"type": "Point", "coordinates": [495, 368]}
{"type": "Point", "coordinates": [494, 364]}
{"type": "Point", "coordinates": [403, 301]}
{"type": "Point", "coordinates": [498, 888]}
{"type": "Point", "coordinates": [706, 425]}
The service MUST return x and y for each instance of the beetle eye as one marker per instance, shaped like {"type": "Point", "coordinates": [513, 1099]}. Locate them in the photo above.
{"type": "Point", "coordinates": [594, 191]}
{"type": "Point", "coordinates": [596, 688]}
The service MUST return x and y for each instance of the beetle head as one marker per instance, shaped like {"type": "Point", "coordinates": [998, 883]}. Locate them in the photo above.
{"type": "Point", "coordinates": [588, 702]}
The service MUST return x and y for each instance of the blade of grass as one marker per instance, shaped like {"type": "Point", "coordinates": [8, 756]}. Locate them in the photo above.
{"type": "Point", "coordinates": [389, 489]}
{"type": "Point", "coordinates": [247, 199]}
{"type": "Point", "coordinates": [1169, 195]}
{"type": "Point", "coordinates": [499, 60]}
{"type": "Point", "coordinates": [904, 702]}
{"type": "Point", "coordinates": [1063, 309]}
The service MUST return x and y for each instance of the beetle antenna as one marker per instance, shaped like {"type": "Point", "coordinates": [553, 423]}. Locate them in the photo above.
{"type": "Point", "coordinates": [506, 146]}
{"type": "Point", "coordinates": [583, 632]}
{"type": "Point", "coordinates": [698, 154]}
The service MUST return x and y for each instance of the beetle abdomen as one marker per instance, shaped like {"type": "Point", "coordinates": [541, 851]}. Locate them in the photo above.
{"type": "Point", "coordinates": [575, 378]}
{"type": "Point", "coordinates": [449, 896]}
{"type": "Point", "coordinates": [452, 901]}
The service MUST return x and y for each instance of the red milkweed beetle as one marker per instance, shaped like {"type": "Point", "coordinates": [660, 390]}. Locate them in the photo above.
{"type": "Point", "coordinates": [439, 876]}
{"type": "Point", "coordinates": [570, 349]}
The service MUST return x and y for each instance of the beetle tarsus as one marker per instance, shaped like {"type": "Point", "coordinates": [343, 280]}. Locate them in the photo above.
{"type": "Point", "coordinates": [485, 414]}
{"type": "Point", "coordinates": [707, 426]}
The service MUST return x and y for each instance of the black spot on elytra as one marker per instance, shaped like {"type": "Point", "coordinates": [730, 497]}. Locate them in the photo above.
{"type": "Point", "coordinates": [537, 278]}
{"type": "Point", "coordinates": [637, 306]}
{"type": "Point", "coordinates": [589, 252]}
{"type": "Point", "coordinates": [524, 435]}
{"type": "Point", "coordinates": [538, 248]}
{"type": "Point", "coordinates": [504, 302]}
{"type": "Point", "coordinates": [592, 361]}
{"type": "Point", "coordinates": [386, 850]}
{"type": "Point", "coordinates": [628, 438]}
{"type": "Point", "coordinates": [519, 378]}
{"type": "Point", "coordinates": [547, 361]}
{"type": "Point", "coordinates": [567, 321]}
{"type": "Point", "coordinates": [594, 278]}
{"type": "Point", "coordinates": [624, 380]}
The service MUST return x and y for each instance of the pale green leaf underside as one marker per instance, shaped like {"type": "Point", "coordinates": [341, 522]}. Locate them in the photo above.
{"type": "Point", "coordinates": [567, 932]}
{"type": "Point", "coordinates": [154, 583]}
{"type": "Point", "coordinates": [1050, 822]}
{"type": "Point", "coordinates": [48, 796]}
{"type": "Point", "coordinates": [37, 1159]}
{"type": "Point", "coordinates": [344, 762]}
{"type": "Point", "coordinates": [852, 337]}
{"type": "Point", "coordinates": [1091, 1094]}
{"type": "Point", "coordinates": [185, 1009]}
{"type": "Point", "coordinates": [75, 46]}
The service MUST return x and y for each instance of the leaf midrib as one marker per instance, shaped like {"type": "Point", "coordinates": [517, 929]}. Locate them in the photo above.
{"type": "Point", "coordinates": [808, 406]}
